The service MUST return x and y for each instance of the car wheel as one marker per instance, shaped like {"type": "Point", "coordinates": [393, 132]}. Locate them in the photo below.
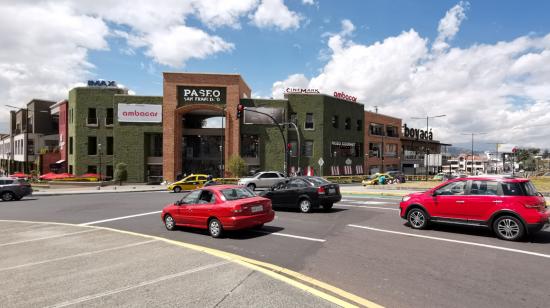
{"type": "Point", "coordinates": [215, 228]}
{"type": "Point", "coordinates": [169, 223]}
{"type": "Point", "coordinates": [417, 218]}
{"type": "Point", "coordinates": [305, 206]}
{"type": "Point", "coordinates": [177, 189]}
{"type": "Point", "coordinates": [327, 207]}
{"type": "Point", "coordinates": [251, 186]}
{"type": "Point", "coordinates": [8, 196]}
{"type": "Point", "coordinates": [509, 228]}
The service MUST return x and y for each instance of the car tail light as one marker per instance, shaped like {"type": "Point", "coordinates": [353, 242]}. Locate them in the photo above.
{"type": "Point", "coordinates": [321, 190]}
{"type": "Point", "coordinates": [237, 209]}
{"type": "Point", "coordinates": [534, 206]}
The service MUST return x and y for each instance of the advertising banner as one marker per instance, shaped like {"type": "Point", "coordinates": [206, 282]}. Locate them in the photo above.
{"type": "Point", "coordinates": [252, 115]}
{"type": "Point", "coordinates": [194, 95]}
{"type": "Point", "coordinates": [140, 113]}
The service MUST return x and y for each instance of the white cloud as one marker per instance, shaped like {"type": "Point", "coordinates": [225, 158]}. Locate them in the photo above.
{"type": "Point", "coordinates": [308, 2]}
{"type": "Point", "coordinates": [449, 25]}
{"type": "Point", "coordinates": [214, 13]}
{"type": "Point", "coordinates": [502, 88]}
{"type": "Point", "coordinates": [274, 13]}
{"type": "Point", "coordinates": [44, 51]}
{"type": "Point", "coordinates": [172, 47]}
{"type": "Point", "coordinates": [293, 81]}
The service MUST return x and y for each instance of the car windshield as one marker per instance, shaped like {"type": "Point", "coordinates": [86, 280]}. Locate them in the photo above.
{"type": "Point", "coordinates": [237, 193]}
{"type": "Point", "coordinates": [374, 176]}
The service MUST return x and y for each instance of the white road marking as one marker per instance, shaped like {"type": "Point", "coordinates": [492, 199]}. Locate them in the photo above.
{"type": "Point", "coordinates": [369, 202]}
{"type": "Point", "coordinates": [139, 285]}
{"type": "Point", "coordinates": [46, 238]}
{"type": "Point", "coordinates": [118, 218]}
{"type": "Point", "coordinates": [291, 235]}
{"type": "Point", "coordinates": [454, 241]}
{"type": "Point", "coordinates": [75, 256]}
{"type": "Point", "coordinates": [369, 207]}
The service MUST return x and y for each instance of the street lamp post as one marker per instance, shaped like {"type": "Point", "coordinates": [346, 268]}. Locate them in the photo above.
{"type": "Point", "coordinates": [473, 134]}
{"type": "Point", "coordinates": [428, 117]}
{"type": "Point", "coordinates": [282, 135]}
{"type": "Point", "coordinates": [99, 153]}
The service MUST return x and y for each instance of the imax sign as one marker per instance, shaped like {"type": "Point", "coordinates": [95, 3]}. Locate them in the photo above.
{"type": "Point", "coordinates": [102, 83]}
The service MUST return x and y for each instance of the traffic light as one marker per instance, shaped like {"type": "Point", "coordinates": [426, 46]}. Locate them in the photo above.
{"type": "Point", "coordinates": [240, 109]}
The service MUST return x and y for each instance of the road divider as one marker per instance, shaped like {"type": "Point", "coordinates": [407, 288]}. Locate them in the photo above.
{"type": "Point", "coordinates": [442, 239]}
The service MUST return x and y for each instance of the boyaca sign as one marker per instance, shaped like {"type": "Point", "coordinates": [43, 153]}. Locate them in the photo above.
{"type": "Point", "coordinates": [417, 134]}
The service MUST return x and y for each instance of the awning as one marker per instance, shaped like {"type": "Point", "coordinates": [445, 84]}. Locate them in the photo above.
{"type": "Point", "coordinates": [60, 161]}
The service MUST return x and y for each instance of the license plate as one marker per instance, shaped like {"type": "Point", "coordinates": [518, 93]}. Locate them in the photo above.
{"type": "Point", "coordinates": [331, 190]}
{"type": "Point", "coordinates": [257, 208]}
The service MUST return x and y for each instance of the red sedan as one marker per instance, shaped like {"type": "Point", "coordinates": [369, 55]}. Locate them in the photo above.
{"type": "Point", "coordinates": [219, 208]}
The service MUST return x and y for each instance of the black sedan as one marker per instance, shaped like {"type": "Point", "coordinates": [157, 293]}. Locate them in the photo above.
{"type": "Point", "coordinates": [305, 193]}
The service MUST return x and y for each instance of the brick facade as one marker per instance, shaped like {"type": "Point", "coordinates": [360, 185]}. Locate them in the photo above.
{"type": "Point", "coordinates": [385, 159]}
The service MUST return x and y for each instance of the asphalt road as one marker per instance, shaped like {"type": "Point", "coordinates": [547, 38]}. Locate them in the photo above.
{"type": "Point", "coordinates": [362, 246]}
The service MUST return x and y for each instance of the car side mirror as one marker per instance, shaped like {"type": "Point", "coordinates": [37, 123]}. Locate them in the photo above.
{"type": "Point", "coordinates": [179, 202]}
{"type": "Point", "coordinates": [434, 193]}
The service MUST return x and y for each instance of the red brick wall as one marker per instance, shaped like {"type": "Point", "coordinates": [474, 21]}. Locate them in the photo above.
{"type": "Point", "coordinates": [63, 131]}
{"type": "Point", "coordinates": [171, 114]}
{"type": "Point", "coordinates": [371, 117]}
{"type": "Point", "coordinates": [47, 159]}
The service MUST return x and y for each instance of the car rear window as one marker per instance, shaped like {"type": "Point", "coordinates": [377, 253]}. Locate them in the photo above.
{"type": "Point", "coordinates": [237, 193]}
{"type": "Point", "coordinates": [519, 189]}
{"type": "Point", "coordinates": [318, 181]}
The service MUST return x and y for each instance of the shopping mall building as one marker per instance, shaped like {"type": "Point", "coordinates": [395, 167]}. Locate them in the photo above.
{"type": "Point", "coordinates": [197, 125]}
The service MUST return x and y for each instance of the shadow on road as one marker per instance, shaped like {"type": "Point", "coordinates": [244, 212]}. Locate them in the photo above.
{"type": "Point", "coordinates": [236, 234]}
{"type": "Point", "coordinates": [296, 210]}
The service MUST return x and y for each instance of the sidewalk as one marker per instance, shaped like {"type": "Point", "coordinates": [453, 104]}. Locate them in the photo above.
{"type": "Point", "coordinates": [40, 191]}
{"type": "Point", "coordinates": [48, 264]}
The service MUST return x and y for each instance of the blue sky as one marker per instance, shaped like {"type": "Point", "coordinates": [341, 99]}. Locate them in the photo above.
{"type": "Point", "coordinates": [486, 64]}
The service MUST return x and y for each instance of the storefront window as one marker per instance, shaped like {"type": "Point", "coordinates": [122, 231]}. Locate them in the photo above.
{"type": "Point", "coordinates": [250, 146]}
{"type": "Point", "coordinates": [345, 149]}
{"type": "Point", "coordinates": [377, 129]}
{"type": "Point", "coordinates": [155, 145]}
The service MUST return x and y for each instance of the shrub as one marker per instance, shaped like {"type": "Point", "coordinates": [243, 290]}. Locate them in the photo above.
{"type": "Point", "coordinates": [236, 166]}
{"type": "Point", "coordinates": [121, 174]}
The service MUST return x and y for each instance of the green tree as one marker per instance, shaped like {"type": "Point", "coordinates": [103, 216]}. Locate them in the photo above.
{"type": "Point", "coordinates": [121, 174]}
{"type": "Point", "coordinates": [236, 165]}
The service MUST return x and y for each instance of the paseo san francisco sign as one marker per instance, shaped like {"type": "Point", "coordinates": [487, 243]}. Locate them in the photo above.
{"type": "Point", "coordinates": [417, 134]}
{"type": "Point", "coordinates": [190, 95]}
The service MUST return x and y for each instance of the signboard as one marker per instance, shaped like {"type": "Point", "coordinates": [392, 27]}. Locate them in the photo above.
{"type": "Point", "coordinates": [102, 83]}
{"type": "Point", "coordinates": [321, 162]}
{"type": "Point", "coordinates": [198, 95]}
{"type": "Point", "coordinates": [345, 96]}
{"type": "Point", "coordinates": [343, 143]}
{"type": "Point", "coordinates": [348, 161]}
{"type": "Point", "coordinates": [140, 113]}
{"type": "Point", "coordinates": [301, 91]}
{"type": "Point", "coordinates": [417, 134]}
{"type": "Point", "coordinates": [252, 115]}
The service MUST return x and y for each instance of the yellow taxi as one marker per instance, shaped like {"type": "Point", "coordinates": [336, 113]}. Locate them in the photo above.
{"type": "Point", "coordinates": [190, 182]}
{"type": "Point", "coordinates": [373, 179]}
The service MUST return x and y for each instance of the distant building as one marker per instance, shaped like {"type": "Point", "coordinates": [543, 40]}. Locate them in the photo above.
{"type": "Point", "coordinates": [463, 164]}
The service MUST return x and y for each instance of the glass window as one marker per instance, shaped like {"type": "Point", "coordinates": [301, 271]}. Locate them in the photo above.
{"type": "Point", "coordinates": [318, 180]}
{"type": "Point", "coordinates": [92, 116]}
{"type": "Point", "coordinates": [109, 172]}
{"type": "Point", "coordinates": [529, 188]}
{"type": "Point", "coordinates": [376, 129]}
{"type": "Point", "coordinates": [110, 145]}
{"type": "Point", "coordinates": [359, 125]}
{"type": "Point", "coordinates": [391, 131]}
{"type": "Point", "coordinates": [309, 121]}
{"type": "Point", "coordinates": [250, 146]}
{"type": "Point", "coordinates": [484, 188]}
{"type": "Point", "coordinates": [296, 183]}
{"type": "Point", "coordinates": [358, 149]}
{"type": "Point", "coordinates": [347, 124]}
{"type": "Point", "coordinates": [155, 145]}
{"type": "Point", "coordinates": [207, 197]}
{"type": "Point", "coordinates": [293, 118]}
{"type": "Point", "coordinates": [191, 198]}
{"type": "Point", "coordinates": [391, 150]}
{"type": "Point", "coordinates": [268, 175]}
{"type": "Point", "coordinates": [308, 148]}
{"type": "Point", "coordinates": [110, 118]}
{"type": "Point", "coordinates": [335, 121]}
{"type": "Point", "coordinates": [375, 150]}
{"type": "Point", "coordinates": [92, 145]}
{"type": "Point", "coordinates": [71, 145]}
{"type": "Point", "coordinates": [92, 169]}
{"type": "Point", "coordinates": [454, 188]}
{"type": "Point", "coordinates": [30, 147]}
{"type": "Point", "coordinates": [237, 193]}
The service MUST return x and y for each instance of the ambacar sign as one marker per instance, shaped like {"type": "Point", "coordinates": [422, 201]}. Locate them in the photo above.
{"type": "Point", "coordinates": [191, 95]}
{"type": "Point", "coordinates": [144, 113]}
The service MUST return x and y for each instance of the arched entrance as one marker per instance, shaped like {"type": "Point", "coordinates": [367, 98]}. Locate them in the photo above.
{"type": "Point", "coordinates": [200, 133]}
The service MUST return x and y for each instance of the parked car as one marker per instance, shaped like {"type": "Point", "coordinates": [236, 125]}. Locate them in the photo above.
{"type": "Point", "coordinates": [219, 208]}
{"type": "Point", "coordinates": [510, 207]}
{"type": "Point", "coordinates": [264, 179]}
{"type": "Point", "coordinates": [305, 193]}
{"type": "Point", "coordinates": [14, 189]}
{"type": "Point", "coordinates": [190, 182]}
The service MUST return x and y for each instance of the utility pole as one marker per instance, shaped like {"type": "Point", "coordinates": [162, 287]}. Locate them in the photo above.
{"type": "Point", "coordinates": [473, 134]}
{"type": "Point", "coordinates": [427, 117]}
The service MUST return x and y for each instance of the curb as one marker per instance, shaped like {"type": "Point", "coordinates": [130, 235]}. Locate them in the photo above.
{"type": "Point", "coordinates": [92, 192]}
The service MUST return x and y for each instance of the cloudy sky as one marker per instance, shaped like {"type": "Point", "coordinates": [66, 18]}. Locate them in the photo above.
{"type": "Point", "coordinates": [485, 64]}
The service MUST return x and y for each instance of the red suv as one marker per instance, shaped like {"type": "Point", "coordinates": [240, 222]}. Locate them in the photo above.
{"type": "Point", "coordinates": [510, 207]}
